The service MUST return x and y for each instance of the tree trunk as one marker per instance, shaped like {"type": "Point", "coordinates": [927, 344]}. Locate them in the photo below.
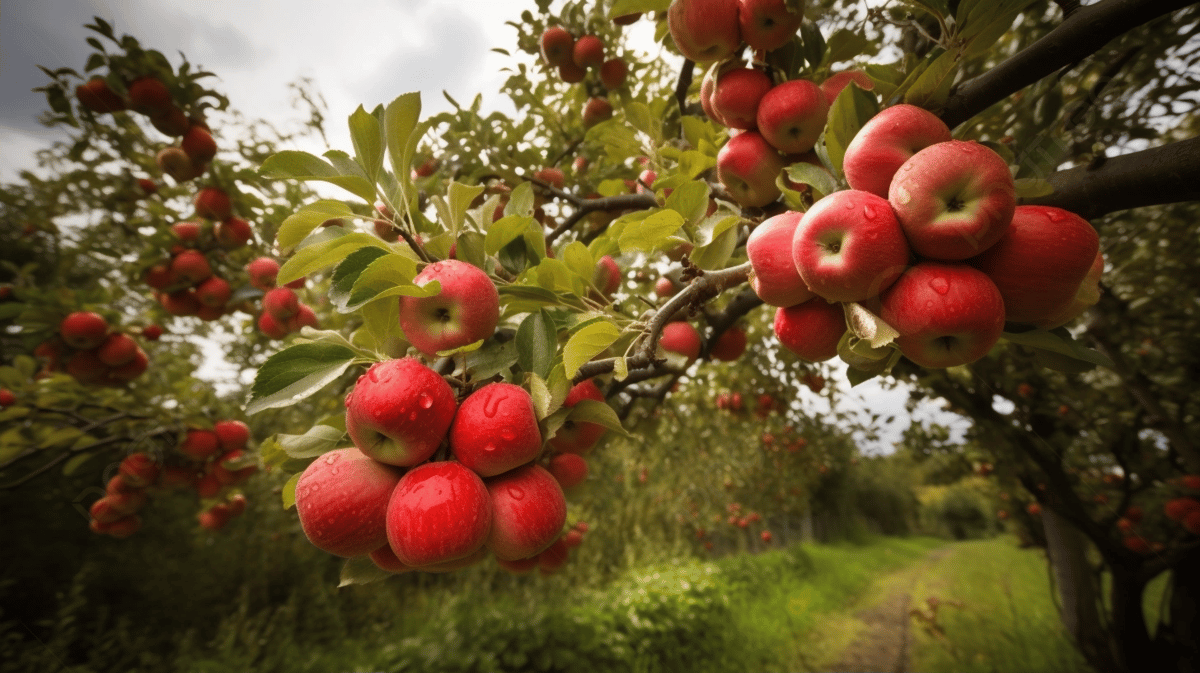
{"type": "Point", "coordinates": [1077, 592]}
{"type": "Point", "coordinates": [1184, 630]}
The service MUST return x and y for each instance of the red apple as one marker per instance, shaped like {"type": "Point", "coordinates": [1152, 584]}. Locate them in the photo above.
{"type": "Point", "coordinates": [528, 512]}
{"type": "Point", "coordinates": [1085, 297]}
{"type": "Point", "coordinates": [747, 166]}
{"type": "Point", "coordinates": [83, 330]}
{"type": "Point", "coordinates": [172, 121]}
{"type": "Point", "coordinates": [704, 30]}
{"type": "Point", "coordinates": [953, 199]}
{"type": "Point", "coordinates": [213, 203]}
{"type": "Point", "coordinates": [7, 398]}
{"type": "Point", "coordinates": [736, 99]}
{"type": "Point", "coordinates": [557, 46]}
{"type": "Point", "coordinates": [200, 444]}
{"type": "Point", "coordinates": [579, 437]}
{"type": "Point", "coordinates": [149, 96]}
{"type": "Point", "coordinates": [849, 246]}
{"type": "Point", "coordinates": [228, 476]}
{"type": "Point", "coordinates": [496, 430]}
{"type": "Point", "coordinates": [232, 434]}
{"type": "Point", "coordinates": [1178, 508]}
{"type": "Point", "coordinates": [438, 513]}
{"type": "Point", "coordinates": [199, 145]}
{"type": "Point", "coordinates": [811, 330]}
{"type": "Point", "coordinates": [138, 469]}
{"type": "Point", "coordinates": [833, 86]}
{"type": "Point", "coordinates": [613, 73]}
{"type": "Point", "coordinates": [571, 73]}
{"type": "Point", "coordinates": [607, 276]}
{"type": "Point", "coordinates": [681, 338]}
{"type": "Point", "coordinates": [730, 345]}
{"type": "Point", "coordinates": [176, 163]}
{"type": "Point", "coordinates": [596, 110]}
{"type": "Point", "coordinates": [569, 469]}
{"type": "Point", "coordinates": [588, 52]}
{"type": "Point", "coordinates": [130, 370]}
{"type": "Point", "coordinates": [466, 309]}
{"type": "Point", "coordinates": [342, 498]}
{"type": "Point", "coordinates": [775, 279]}
{"type": "Point", "coordinates": [281, 303]}
{"type": "Point", "coordinates": [97, 96]}
{"type": "Point", "coordinates": [767, 25]}
{"type": "Point", "coordinates": [117, 349]}
{"type": "Point", "coordinates": [272, 327]}
{"type": "Point", "coordinates": [888, 140]}
{"type": "Point", "coordinates": [190, 267]}
{"type": "Point", "coordinates": [214, 292]}
{"type": "Point", "coordinates": [233, 232]}
{"type": "Point", "coordinates": [551, 176]}
{"type": "Point", "coordinates": [792, 116]}
{"type": "Point", "coordinates": [708, 87]}
{"type": "Point", "coordinates": [947, 314]}
{"type": "Point", "coordinates": [399, 411]}
{"type": "Point", "coordinates": [554, 557]}
{"type": "Point", "coordinates": [665, 287]}
{"type": "Point", "coordinates": [262, 272]}
{"type": "Point", "coordinates": [385, 559]}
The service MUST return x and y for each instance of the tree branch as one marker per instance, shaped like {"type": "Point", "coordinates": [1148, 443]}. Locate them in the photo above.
{"type": "Point", "coordinates": [1159, 175]}
{"type": "Point", "coordinates": [585, 206]}
{"type": "Point", "coordinates": [682, 86]}
{"type": "Point", "coordinates": [1082, 33]}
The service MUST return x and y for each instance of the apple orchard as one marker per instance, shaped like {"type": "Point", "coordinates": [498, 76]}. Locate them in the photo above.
{"type": "Point", "coordinates": [483, 350]}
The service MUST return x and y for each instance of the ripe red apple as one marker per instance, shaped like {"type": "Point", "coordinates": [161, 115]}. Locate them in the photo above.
{"type": "Point", "coordinates": [557, 45]}
{"type": "Point", "coordinates": [466, 309]}
{"type": "Point", "coordinates": [214, 291]}
{"type": "Point", "coordinates": [438, 513]}
{"type": "Point", "coordinates": [708, 86]}
{"type": "Point", "coordinates": [200, 444]}
{"type": "Point", "coordinates": [775, 279]}
{"type": "Point", "coordinates": [213, 203]}
{"type": "Point", "coordinates": [682, 338]}
{"type": "Point", "coordinates": [262, 272]}
{"type": "Point", "coordinates": [607, 276]}
{"type": "Point", "coordinates": [7, 398]}
{"type": "Point", "coordinates": [767, 25]}
{"type": "Point", "coordinates": [833, 86]}
{"type": "Point", "coordinates": [232, 434]}
{"type": "Point", "coordinates": [704, 30]}
{"type": "Point", "coordinates": [272, 327]}
{"type": "Point", "coordinates": [571, 73]}
{"type": "Point", "coordinates": [305, 317]}
{"type": "Point", "coordinates": [148, 186]}
{"type": "Point", "coordinates": [554, 557]}
{"type": "Point", "coordinates": [399, 411]}
{"type": "Point", "coordinates": [747, 166]}
{"type": "Point", "coordinates": [886, 142]}
{"type": "Point", "coordinates": [849, 246]}
{"type": "Point", "coordinates": [199, 145]}
{"type": "Point", "coordinates": [811, 330]}
{"type": "Point", "coordinates": [496, 430]}
{"type": "Point", "coordinates": [551, 176]}
{"type": "Point", "coordinates": [730, 345]}
{"type": "Point", "coordinates": [233, 232]}
{"type": "Point", "coordinates": [187, 232]}
{"type": "Point", "coordinates": [138, 469]}
{"type": "Point", "coordinates": [97, 96]}
{"type": "Point", "coordinates": [792, 116]}
{"type": "Point", "coordinates": [528, 512]}
{"type": "Point", "coordinates": [736, 99]}
{"type": "Point", "coordinates": [176, 163]}
{"type": "Point", "coordinates": [231, 476]}
{"type": "Point", "coordinates": [130, 370]}
{"type": "Point", "coordinates": [569, 469]}
{"type": "Point", "coordinates": [83, 330]}
{"type": "Point", "coordinates": [342, 499]}
{"type": "Point", "coordinates": [613, 73]}
{"type": "Point", "coordinates": [190, 267]}
{"type": "Point", "coordinates": [664, 287]}
{"type": "Point", "coordinates": [588, 52]}
{"type": "Point", "coordinates": [207, 485]}
{"type": "Point", "coordinates": [281, 303]}
{"type": "Point", "coordinates": [1039, 264]}
{"type": "Point", "coordinates": [1191, 522]}
{"type": "Point", "coordinates": [180, 303]}
{"type": "Point", "coordinates": [117, 349]}
{"type": "Point", "coordinates": [1178, 508]}
{"type": "Point", "coordinates": [171, 121]}
{"type": "Point", "coordinates": [953, 199]}
{"type": "Point", "coordinates": [1085, 297]}
{"type": "Point", "coordinates": [596, 110]}
{"type": "Point", "coordinates": [149, 96]}
{"type": "Point", "coordinates": [579, 437]}
{"type": "Point", "coordinates": [947, 314]}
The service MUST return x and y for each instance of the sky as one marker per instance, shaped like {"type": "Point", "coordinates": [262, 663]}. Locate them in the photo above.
{"type": "Point", "coordinates": [356, 51]}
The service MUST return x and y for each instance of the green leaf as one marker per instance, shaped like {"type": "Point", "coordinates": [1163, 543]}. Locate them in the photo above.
{"type": "Point", "coordinates": [714, 255]}
{"type": "Point", "coordinates": [639, 117]}
{"type": "Point", "coordinates": [814, 43]}
{"type": "Point", "coordinates": [297, 165]}
{"type": "Point", "coordinates": [459, 198]}
{"type": "Point", "coordinates": [587, 343]}
{"type": "Point", "coordinates": [531, 294]}
{"type": "Point", "coordinates": [690, 200]}
{"type": "Point", "coordinates": [318, 440]}
{"type": "Point", "coordinates": [347, 273]}
{"type": "Point", "coordinates": [361, 570]}
{"type": "Point", "coordinates": [648, 233]}
{"type": "Point", "coordinates": [299, 225]}
{"type": "Point", "coordinates": [816, 177]}
{"type": "Point", "coordinates": [297, 372]}
{"type": "Point", "coordinates": [313, 258]}
{"type": "Point", "coordinates": [537, 343]}
{"type": "Point", "coordinates": [400, 124]}
{"type": "Point", "coordinates": [75, 463]}
{"type": "Point", "coordinates": [594, 411]}
{"type": "Point", "coordinates": [623, 7]}
{"type": "Point", "coordinates": [1058, 341]}
{"type": "Point", "coordinates": [289, 491]}
{"type": "Point", "coordinates": [931, 89]}
{"type": "Point", "coordinates": [367, 135]}
{"type": "Point", "coordinates": [520, 201]}
{"type": "Point", "coordinates": [579, 260]}
{"type": "Point", "coordinates": [1029, 188]}
{"type": "Point", "coordinates": [850, 110]}
{"type": "Point", "coordinates": [61, 437]}
{"type": "Point", "coordinates": [845, 45]}
{"type": "Point", "coordinates": [504, 231]}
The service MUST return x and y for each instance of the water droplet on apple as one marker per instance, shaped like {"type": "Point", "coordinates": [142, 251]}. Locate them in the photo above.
{"type": "Point", "coordinates": [870, 212]}
{"type": "Point", "coordinates": [940, 285]}
{"type": "Point", "coordinates": [489, 448]}
{"type": "Point", "coordinates": [508, 435]}
{"type": "Point", "coordinates": [413, 416]}
{"type": "Point", "coordinates": [492, 404]}
{"type": "Point", "coordinates": [516, 493]}
{"type": "Point", "coordinates": [1055, 215]}
{"type": "Point", "coordinates": [332, 458]}
{"type": "Point", "coordinates": [425, 400]}
{"type": "Point", "coordinates": [902, 196]}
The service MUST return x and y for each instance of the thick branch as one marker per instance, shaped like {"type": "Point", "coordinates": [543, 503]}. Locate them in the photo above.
{"type": "Point", "coordinates": [1159, 175]}
{"type": "Point", "coordinates": [1081, 34]}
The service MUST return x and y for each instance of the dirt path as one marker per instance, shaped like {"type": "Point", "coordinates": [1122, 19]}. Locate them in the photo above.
{"type": "Point", "coordinates": [882, 644]}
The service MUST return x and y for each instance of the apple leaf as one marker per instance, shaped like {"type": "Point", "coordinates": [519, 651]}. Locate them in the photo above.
{"type": "Point", "coordinates": [587, 343]}
{"type": "Point", "coordinates": [1058, 341]}
{"type": "Point", "coordinates": [1030, 188]}
{"type": "Point", "coordinates": [297, 372]}
{"type": "Point", "coordinates": [531, 294]}
{"type": "Point", "coordinates": [595, 411]}
{"type": "Point", "coordinates": [312, 258]}
{"type": "Point", "coordinates": [867, 326]}
{"type": "Point", "coordinates": [75, 463]}
{"type": "Point", "coordinates": [289, 491]}
{"type": "Point", "coordinates": [845, 45]}
{"type": "Point", "coordinates": [814, 43]}
{"type": "Point", "coordinates": [297, 165]}
{"type": "Point", "coordinates": [646, 234]}
{"type": "Point", "coordinates": [849, 111]}
{"type": "Point", "coordinates": [361, 570]}
{"type": "Point", "coordinates": [690, 200]}
{"type": "Point", "coordinates": [716, 253]}
{"type": "Point", "coordinates": [299, 225]}
{"type": "Point", "coordinates": [816, 177]}
{"type": "Point", "coordinates": [459, 198]}
{"type": "Point", "coordinates": [639, 117]}
{"type": "Point", "coordinates": [379, 333]}
{"type": "Point", "coordinates": [318, 440]}
{"type": "Point", "coordinates": [491, 359]}
{"type": "Point", "coordinates": [60, 437]}
{"type": "Point", "coordinates": [938, 8]}
{"type": "Point", "coordinates": [619, 141]}
{"type": "Point", "coordinates": [623, 7]}
{"type": "Point", "coordinates": [504, 231]}
{"type": "Point", "coordinates": [931, 89]}
{"type": "Point", "coordinates": [537, 343]}
{"type": "Point", "coordinates": [347, 273]}
{"type": "Point", "coordinates": [579, 260]}
{"type": "Point", "coordinates": [367, 135]}
{"type": "Point", "coordinates": [401, 120]}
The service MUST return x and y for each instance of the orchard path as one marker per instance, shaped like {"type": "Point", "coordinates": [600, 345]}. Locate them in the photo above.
{"type": "Point", "coordinates": [882, 644]}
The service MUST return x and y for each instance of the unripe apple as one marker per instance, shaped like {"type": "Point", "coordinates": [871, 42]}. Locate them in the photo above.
{"type": "Point", "coordinates": [190, 267]}
{"type": "Point", "coordinates": [886, 141]}
{"type": "Point", "coordinates": [730, 345]}
{"type": "Point", "coordinates": [569, 469]}
{"type": "Point", "coordinates": [149, 96]}
{"type": "Point", "coordinates": [775, 278]}
{"type": "Point", "coordinates": [262, 272]}
{"type": "Point", "coordinates": [596, 110]}
{"type": "Point", "coordinates": [199, 145]}
{"type": "Point", "coordinates": [83, 330]}
{"type": "Point", "coordinates": [747, 165]}
{"type": "Point", "coordinates": [613, 73]}
{"type": "Point", "coordinates": [953, 199]}
{"type": "Point", "coordinates": [947, 314]}
{"type": "Point", "coordinates": [528, 512]}
{"type": "Point", "coordinates": [849, 246]}
{"type": "Point", "coordinates": [200, 444]}
{"type": "Point", "coordinates": [496, 430]}
{"type": "Point", "coordinates": [767, 25]}
{"type": "Point", "coordinates": [557, 46]}
{"type": "Point", "coordinates": [811, 330]}
{"type": "Point", "coordinates": [737, 96]}
{"type": "Point", "coordinates": [399, 411]}
{"type": "Point", "coordinates": [214, 292]}
{"type": "Point", "coordinates": [681, 338]}
{"type": "Point", "coordinates": [466, 309]}
{"type": "Point", "coordinates": [97, 96]}
{"type": "Point", "coordinates": [234, 232]}
{"type": "Point", "coordinates": [579, 436]}
{"type": "Point", "coordinates": [792, 115]}
{"type": "Point", "coordinates": [438, 513]}
{"type": "Point", "coordinates": [704, 30]}
{"type": "Point", "coordinates": [588, 52]}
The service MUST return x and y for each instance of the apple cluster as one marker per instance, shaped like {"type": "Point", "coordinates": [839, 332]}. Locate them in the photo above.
{"type": "Point", "coordinates": [92, 353]}
{"type": "Point", "coordinates": [283, 312]}
{"type": "Point", "coordinates": [930, 239]}
{"type": "Point", "coordinates": [574, 57]}
{"type": "Point", "coordinates": [213, 459]}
